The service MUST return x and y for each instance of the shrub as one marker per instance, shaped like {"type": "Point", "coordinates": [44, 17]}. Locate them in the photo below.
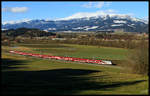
{"type": "Point", "coordinates": [137, 61]}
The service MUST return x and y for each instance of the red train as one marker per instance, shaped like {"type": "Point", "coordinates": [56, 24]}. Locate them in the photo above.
{"type": "Point", "coordinates": [63, 58]}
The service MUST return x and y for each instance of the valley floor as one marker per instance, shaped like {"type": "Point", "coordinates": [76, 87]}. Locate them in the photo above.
{"type": "Point", "coordinates": [28, 76]}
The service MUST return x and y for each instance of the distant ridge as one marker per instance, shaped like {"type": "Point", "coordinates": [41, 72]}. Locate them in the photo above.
{"type": "Point", "coordinates": [84, 23]}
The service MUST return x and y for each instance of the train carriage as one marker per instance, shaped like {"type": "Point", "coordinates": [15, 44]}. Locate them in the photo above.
{"type": "Point", "coordinates": [63, 58]}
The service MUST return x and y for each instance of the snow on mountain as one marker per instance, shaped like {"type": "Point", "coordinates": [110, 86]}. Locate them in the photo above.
{"type": "Point", "coordinates": [140, 20]}
{"type": "Point", "coordinates": [51, 28]}
{"type": "Point", "coordinates": [8, 22]}
{"type": "Point", "coordinates": [4, 29]}
{"type": "Point", "coordinates": [117, 25]}
{"type": "Point", "coordinates": [131, 26]}
{"type": "Point", "coordinates": [83, 21]}
{"type": "Point", "coordinates": [85, 16]}
{"type": "Point", "coordinates": [78, 28]}
{"type": "Point", "coordinates": [15, 22]}
{"type": "Point", "coordinates": [119, 21]}
{"type": "Point", "coordinates": [86, 27]}
{"type": "Point", "coordinates": [81, 15]}
{"type": "Point", "coordinates": [93, 27]}
{"type": "Point", "coordinates": [120, 16]}
{"type": "Point", "coordinates": [97, 14]}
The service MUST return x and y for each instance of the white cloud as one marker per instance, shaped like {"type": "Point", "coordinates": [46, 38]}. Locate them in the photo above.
{"type": "Point", "coordinates": [96, 4]}
{"type": "Point", "coordinates": [108, 3]}
{"type": "Point", "coordinates": [87, 5]}
{"type": "Point", "coordinates": [99, 4]}
{"type": "Point", "coordinates": [15, 9]}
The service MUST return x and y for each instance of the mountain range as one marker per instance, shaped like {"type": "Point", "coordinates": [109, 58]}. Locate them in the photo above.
{"type": "Point", "coordinates": [94, 23]}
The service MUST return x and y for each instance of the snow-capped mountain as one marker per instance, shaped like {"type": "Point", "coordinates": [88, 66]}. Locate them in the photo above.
{"type": "Point", "coordinates": [86, 23]}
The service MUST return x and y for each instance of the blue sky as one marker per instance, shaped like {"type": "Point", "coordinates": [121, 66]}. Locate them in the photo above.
{"type": "Point", "coordinates": [19, 10]}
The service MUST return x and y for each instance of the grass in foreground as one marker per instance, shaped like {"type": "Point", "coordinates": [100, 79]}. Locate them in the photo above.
{"type": "Point", "coordinates": [25, 75]}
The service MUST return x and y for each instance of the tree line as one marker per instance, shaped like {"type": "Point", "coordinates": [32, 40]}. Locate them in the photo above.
{"type": "Point", "coordinates": [26, 32]}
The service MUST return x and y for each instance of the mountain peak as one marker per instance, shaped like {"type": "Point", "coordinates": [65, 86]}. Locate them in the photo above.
{"type": "Point", "coordinates": [80, 22]}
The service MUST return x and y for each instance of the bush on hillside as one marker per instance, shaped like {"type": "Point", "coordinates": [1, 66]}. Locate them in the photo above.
{"type": "Point", "coordinates": [137, 61]}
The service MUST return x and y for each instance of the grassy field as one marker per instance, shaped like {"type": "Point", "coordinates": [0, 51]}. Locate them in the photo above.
{"type": "Point", "coordinates": [71, 50]}
{"type": "Point", "coordinates": [28, 75]}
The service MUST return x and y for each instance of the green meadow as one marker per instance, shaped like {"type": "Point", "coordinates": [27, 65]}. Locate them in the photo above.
{"type": "Point", "coordinates": [29, 75]}
{"type": "Point", "coordinates": [81, 51]}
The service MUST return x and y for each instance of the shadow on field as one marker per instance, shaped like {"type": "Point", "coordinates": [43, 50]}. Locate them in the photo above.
{"type": "Point", "coordinates": [10, 63]}
{"type": "Point", "coordinates": [54, 82]}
